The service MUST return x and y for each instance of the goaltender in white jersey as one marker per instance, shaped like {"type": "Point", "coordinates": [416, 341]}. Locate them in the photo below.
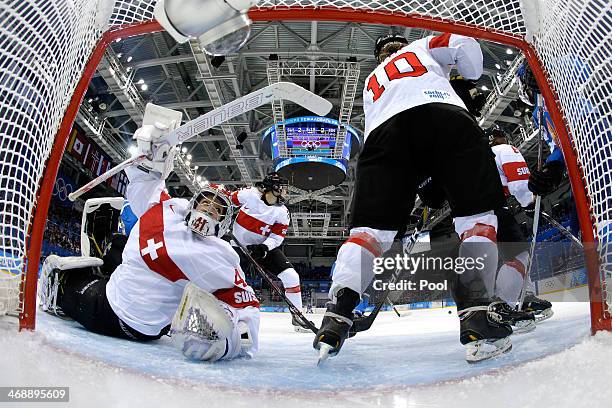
{"type": "Point", "coordinates": [173, 256]}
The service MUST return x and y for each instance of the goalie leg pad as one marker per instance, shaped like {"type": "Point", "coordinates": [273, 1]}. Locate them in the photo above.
{"type": "Point", "coordinates": [206, 329]}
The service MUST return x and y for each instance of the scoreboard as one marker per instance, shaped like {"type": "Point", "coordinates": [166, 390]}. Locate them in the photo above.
{"type": "Point", "coordinates": [311, 136]}
{"type": "Point", "coordinates": [310, 143]}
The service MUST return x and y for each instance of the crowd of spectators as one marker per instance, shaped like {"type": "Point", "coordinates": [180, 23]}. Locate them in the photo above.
{"type": "Point", "coordinates": [62, 233]}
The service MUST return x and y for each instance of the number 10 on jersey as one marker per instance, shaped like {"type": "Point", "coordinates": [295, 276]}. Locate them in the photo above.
{"type": "Point", "coordinates": [393, 72]}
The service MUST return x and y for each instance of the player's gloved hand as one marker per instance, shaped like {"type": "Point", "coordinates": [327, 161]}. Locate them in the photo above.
{"type": "Point", "coordinates": [160, 155]}
{"type": "Point", "coordinates": [530, 210]}
{"type": "Point", "coordinates": [545, 181]}
{"type": "Point", "coordinates": [469, 93]}
{"type": "Point", "coordinates": [258, 251]}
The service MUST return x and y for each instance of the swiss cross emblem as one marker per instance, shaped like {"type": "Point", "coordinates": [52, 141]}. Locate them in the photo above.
{"type": "Point", "coordinates": [265, 230]}
{"type": "Point", "coordinates": [151, 249]}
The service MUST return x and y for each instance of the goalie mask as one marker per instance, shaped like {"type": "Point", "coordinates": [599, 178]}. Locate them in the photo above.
{"type": "Point", "coordinates": [210, 211]}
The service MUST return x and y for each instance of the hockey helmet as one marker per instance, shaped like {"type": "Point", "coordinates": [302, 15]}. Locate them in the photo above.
{"type": "Point", "coordinates": [381, 42]}
{"type": "Point", "coordinates": [275, 183]}
{"type": "Point", "coordinates": [210, 211]}
{"type": "Point", "coordinates": [495, 132]}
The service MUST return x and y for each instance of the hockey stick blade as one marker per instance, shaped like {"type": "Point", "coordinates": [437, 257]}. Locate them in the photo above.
{"type": "Point", "coordinates": [105, 176]}
{"type": "Point", "coordinates": [268, 94]}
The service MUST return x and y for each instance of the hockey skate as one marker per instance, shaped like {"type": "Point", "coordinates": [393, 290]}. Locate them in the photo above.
{"type": "Point", "coordinates": [521, 321]}
{"type": "Point", "coordinates": [542, 309]}
{"type": "Point", "coordinates": [483, 337]}
{"type": "Point", "coordinates": [336, 325]}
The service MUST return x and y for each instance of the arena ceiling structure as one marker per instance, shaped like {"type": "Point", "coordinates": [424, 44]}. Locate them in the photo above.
{"type": "Point", "coordinates": [154, 68]}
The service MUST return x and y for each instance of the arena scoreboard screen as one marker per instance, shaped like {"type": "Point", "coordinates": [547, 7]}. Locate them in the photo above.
{"type": "Point", "coordinates": [311, 141]}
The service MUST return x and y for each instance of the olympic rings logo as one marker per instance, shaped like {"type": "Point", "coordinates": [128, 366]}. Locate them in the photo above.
{"type": "Point", "coordinates": [61, 189]}
{"type": "Point", "coordinates": [311, 144]}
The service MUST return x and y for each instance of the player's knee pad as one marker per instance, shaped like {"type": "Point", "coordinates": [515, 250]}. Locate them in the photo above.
{"type": "Point", "coordinates": [290, 278]}
{"type": "Point", "coordinates": [205, 329]}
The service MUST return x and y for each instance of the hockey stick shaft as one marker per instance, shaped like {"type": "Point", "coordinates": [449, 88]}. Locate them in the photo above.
{"type": "Point", "coordinates": [366, 322]}
{"type": "Point", "coordinates": [103, 177]}
{"type": "Point", "coordinates": [262, 272]}
{"type": "Point", "coordinates": [270, 93]}
{"type": "Point", "coordinates": [567, 233]}
{"type": "Point", "coordinates": [538, 204]}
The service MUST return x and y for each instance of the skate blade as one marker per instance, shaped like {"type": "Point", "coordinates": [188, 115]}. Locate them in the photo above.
{"type": "Point", "coordinates": [300, 329]}
{"type": "Point", "coordinates": [475, 351]}
{"type": "Point", "coordinates": [324, 353]}
{"type": "Point", "coordinates": [524, 326]}
{"type": "Point", "coordinates": [544, 315]}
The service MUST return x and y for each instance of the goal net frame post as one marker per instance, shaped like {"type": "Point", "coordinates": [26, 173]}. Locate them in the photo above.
{"type": "Point", "coordinates": [599, 318]}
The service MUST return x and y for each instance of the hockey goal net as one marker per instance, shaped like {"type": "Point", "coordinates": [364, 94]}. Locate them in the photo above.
{"type": "Point", "coordinates": [49, 51]}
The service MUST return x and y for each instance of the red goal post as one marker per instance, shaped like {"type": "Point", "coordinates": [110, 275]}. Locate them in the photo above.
{"type": "Point", "coordinates": [57, 46]}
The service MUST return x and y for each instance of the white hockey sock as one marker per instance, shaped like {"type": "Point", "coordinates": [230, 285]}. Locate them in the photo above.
{"type": "Point", "coordinates": [354, 267]}
{"type": "Point", "coordinates": [291, 283]}
{"type": "Point", "coordinates": [510, 279]}
{"type": "Point", "coordinates": [479, 242]}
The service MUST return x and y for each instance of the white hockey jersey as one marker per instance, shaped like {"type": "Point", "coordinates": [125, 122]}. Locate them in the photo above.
{"type": "Point", "coordinates": [419, 74]}
{"type": "Point", "coordinates": [513, 172]}
{"type": "Point", "coordinates": [162, 254]}
{"type": "Point", "coordinates": [257, 222]}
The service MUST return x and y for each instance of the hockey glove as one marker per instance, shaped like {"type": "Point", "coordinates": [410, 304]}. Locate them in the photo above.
{"type": "Point", "coordinates": [469, 93]}
{"type": "Point", "coordinates": [530, 210]}
{"type": "Point", "coordinates": [160, 155]}
{"type": "Point", "coordinates": [258, 251]}
{"type": "Point", "coordinates": [545, 181]}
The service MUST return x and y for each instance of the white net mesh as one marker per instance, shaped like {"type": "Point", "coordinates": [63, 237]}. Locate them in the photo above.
{"type": "Point", "coordinates": [44, 46]}
{"type": "Point", "coordinates": [574, 43]}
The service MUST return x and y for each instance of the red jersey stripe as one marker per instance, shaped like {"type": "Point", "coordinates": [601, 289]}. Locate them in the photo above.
{"type": "Point", "coordinates": [153, 246]}
{"type": "Point", "coordinates": [237, 297]}
{"type": "Point", "coordinates": [516, 171]}
{"type": "Point", "coordinates": [253, 224]}
{"type": "Point", "coordinates": [440, 41]}
{"type": "Point", "coordinates": [280, 229]}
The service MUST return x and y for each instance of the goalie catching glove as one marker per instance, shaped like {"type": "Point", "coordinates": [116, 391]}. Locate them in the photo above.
{"type": "Point", "coordinates": [160, 155]}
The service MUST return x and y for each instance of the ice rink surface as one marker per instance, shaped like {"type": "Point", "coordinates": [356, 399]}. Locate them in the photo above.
{"type": "Point", "coordinates": [412, 361]}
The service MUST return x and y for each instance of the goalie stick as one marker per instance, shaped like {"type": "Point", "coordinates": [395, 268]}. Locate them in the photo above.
{"type": "Point", "coordinates": [294, 310]}
{"type": "Point", "coordinates": [364, 323]}
{"type": "Point", "coordinates": [270, 93]}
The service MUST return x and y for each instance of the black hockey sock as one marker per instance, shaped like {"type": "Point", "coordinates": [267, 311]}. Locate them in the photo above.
{"type": "Point", "coordinates": [346, 300]}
